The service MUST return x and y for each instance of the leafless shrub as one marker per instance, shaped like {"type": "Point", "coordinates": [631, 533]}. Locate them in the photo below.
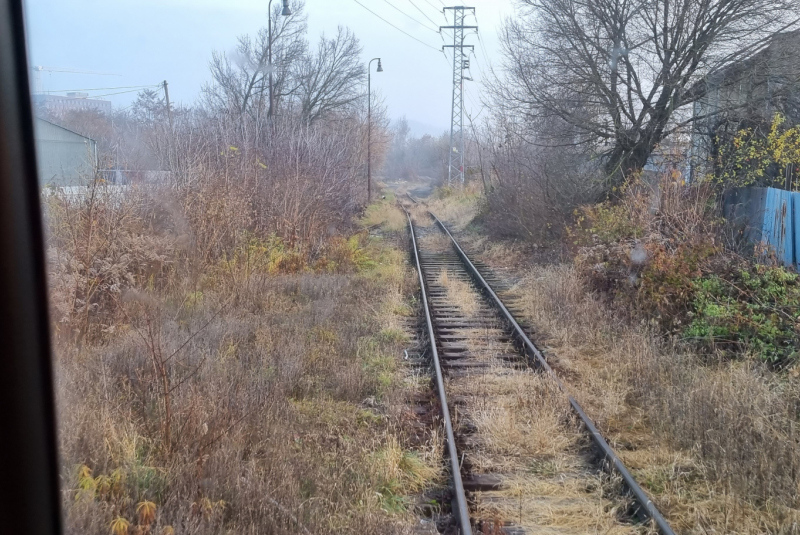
{"type": "Point", "coordinates": [101, 240]}
{"type": "Point", "coordinates": [535, 188]}
{"type": "Point", "coordinates": [313, 180]}
{"type": "Point", "coordinates": [301, 182]}
{"type": "Point", "coordinates": [204, 390]}
{"type": "Point", "coordinates": [267, 430]}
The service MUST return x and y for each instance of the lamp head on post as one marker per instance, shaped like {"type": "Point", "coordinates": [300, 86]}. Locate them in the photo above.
{"type": "Point", "coordinates": [380, 67]}
{"type": "Point", "coordinates": [286, 11]}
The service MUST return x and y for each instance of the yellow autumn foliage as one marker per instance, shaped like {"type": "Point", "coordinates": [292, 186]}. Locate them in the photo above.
{"type": "Point", "coordinates": [753, 158]}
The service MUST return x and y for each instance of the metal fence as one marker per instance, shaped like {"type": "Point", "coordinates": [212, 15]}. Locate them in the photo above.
{"type": "Point", "coordinates": [768, 218]}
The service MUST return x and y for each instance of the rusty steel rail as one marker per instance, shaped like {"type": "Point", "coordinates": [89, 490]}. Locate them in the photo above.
{"type": "Point", "coordinates": [462, 515]}
{"type": "Point", "coordinates": [647, 507]}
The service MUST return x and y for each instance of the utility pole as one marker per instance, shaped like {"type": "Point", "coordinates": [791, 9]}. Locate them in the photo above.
{"type": "Point", "coordinates": [171, 129]}
{"type": "Point", "coordinates": [369, 124]}
{"type": "Point", "coordinates": [169, 109]}
{"type": "Point", "coordinates": [455, 170]}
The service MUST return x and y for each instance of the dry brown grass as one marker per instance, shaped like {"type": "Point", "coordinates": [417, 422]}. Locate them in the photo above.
{"type": "Point", "coordinates": [419, 213]}
{"type": "Point", "coordinates": [523, 429]}
{"type": "Point", "coordinates": [456, 207]}
{"type": "Point", "coordinates": [386, 214]}
{"type": "Point", "coordinates": [456, 215]}
{"type": "Point", "coordinates": [715, 443]}
{"type": "Point", "coordinates": [519, 416]}
{"type": "Point", "coordinates": [558, 505]}
{"type": "Point", "coordinates": [241, 400]}
{"type": "Point", "coordinates": [485, 345]}
{"type": "Point", "coordinates": [503, 253]}
{"type": "Point", "coordinates": [436, 242]}
{"type": "Point", "coordinates": [460, 293]}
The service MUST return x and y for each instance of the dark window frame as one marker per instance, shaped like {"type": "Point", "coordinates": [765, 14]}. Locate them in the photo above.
{"type": "Point", "coordinates": [29, 494]}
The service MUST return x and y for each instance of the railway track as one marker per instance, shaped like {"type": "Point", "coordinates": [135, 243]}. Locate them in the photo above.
{"type": "Point", "coordinates": [523, 455]}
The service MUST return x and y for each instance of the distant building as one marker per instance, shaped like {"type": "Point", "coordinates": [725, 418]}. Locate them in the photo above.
{"type": "Point", "coordinates": [71, 102]}
{"type": "Point", "coordinates": [745, 94]}
{"type": "Point", "coordinates": [64, 157]}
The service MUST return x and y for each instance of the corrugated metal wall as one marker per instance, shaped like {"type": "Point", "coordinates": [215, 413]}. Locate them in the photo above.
{"type": "Point", "coordinates": [768, 217]}
{"type": "Point", "coordinates": [65, 158]}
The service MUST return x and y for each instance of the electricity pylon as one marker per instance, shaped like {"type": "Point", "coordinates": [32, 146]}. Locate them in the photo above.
{"type": "Point", "coordinates": [455, 170]}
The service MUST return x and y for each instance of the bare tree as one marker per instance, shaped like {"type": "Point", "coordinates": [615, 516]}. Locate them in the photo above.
{"type": "Point", "coordinates": [332, 78]}
{"type": "Point", "coordinates": [149, 108]}
{"type": "Point", "coordinates": [299, 176]}
{"type": "Point", "coordinates": [315, 83]}
{"type": "Point", "coordinates": [618, 71]}
{"type": "Point", "coordinates": [397, 161]}
{"type": "Point", "coordinates": [240, 81]}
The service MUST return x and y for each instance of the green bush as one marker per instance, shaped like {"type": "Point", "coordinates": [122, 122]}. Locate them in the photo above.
{"type": "Point", "coordinates": [753, 308]}
{"type": "Point", "coordinates": [657, 253]}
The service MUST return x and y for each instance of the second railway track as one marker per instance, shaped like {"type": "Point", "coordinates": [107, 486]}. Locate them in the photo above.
{"type": "Point", "coordinates": [523, 456]}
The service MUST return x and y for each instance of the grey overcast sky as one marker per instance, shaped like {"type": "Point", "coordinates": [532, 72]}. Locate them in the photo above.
{"type": "Point", "coordinates": [147, 41]}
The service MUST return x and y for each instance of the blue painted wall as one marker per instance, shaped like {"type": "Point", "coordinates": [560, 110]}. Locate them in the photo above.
{"type": "Point", "coordinates": [778, 226]}
{"type": "Point", "coordinates": [769, 217]}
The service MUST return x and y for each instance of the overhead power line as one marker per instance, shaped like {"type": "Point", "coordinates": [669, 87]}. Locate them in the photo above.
{"type": "Point", "coordinates": [122, 92]}
{"type": "Point", "coordinates": [483, 48]}
{"type": "Point", "coordinates": [444, 55]}
{"type": "Point", "coordinates": [410, 17]}
{"type": "Point", "coordinates": [483, 45]}
{"type": "Point", "coordinates": [481, 67]}
{"type": "Point", "coordinates": [474, 104]}
{"type": "Point", "coordinates": [436, 8]}
{"type": "Point", "coordinates": [126, 107]}
{"type": "Point", "coordinates": [423, 13]}
{"type": "Point", "coordinates": [101, 88]}
{"type": "Point", "coordinates": [396, 28]}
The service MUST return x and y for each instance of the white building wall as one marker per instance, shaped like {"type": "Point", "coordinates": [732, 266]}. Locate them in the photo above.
{"type": "Point", "coordinates": [64, 157]}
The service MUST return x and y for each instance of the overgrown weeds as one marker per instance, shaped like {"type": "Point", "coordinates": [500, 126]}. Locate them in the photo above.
{"type": "Point", "coordinates": [99, 244]}
{"type": "Point", "coordinates": [252, 387]}
{"type": "Point", "coordinates": [459, 293]}
{"type": "Point", "coordinates": [748, 307]}
{"type": "Point", "coordinates": [714, 441]}
{"type": "Point", "coordinates": [658, 252]}
{"type": "Point", "coordinates": [457, 206]}
{"type": "Point", "coordinates": [106, 244]}
{"type": "Point", "coordinates": [385, 214]}
{"type": "Point", "coordinates": [702, 416]}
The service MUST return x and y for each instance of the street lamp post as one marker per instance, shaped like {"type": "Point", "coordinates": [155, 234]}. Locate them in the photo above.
{"type": "Point", "coordinates": [286, 12]}
{"type": "Point", "coordinates": [369, 125]}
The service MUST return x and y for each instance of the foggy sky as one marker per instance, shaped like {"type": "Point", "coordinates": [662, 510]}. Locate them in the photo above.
{"type": "Point", "coordinates": [147, 41]}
